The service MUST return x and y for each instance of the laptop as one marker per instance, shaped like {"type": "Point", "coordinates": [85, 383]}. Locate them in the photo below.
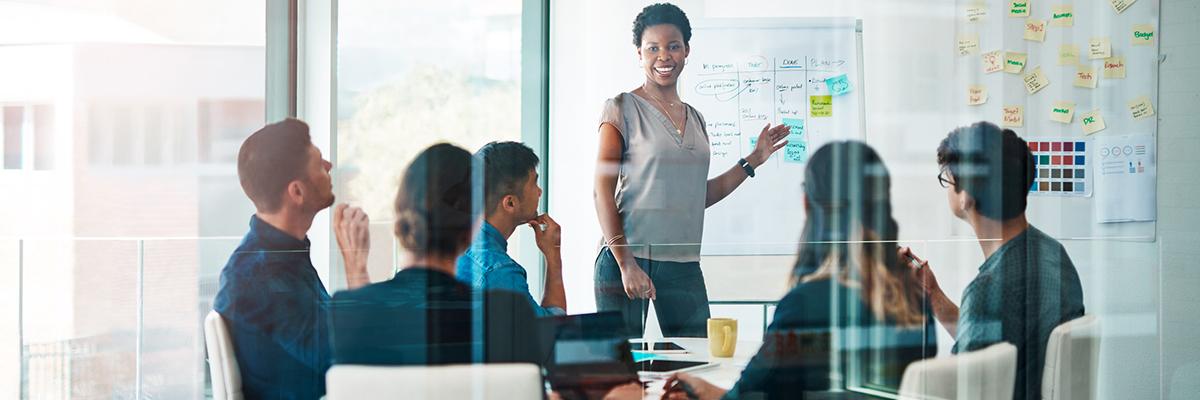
{"type": "Point", "coordinates": [588, 352]}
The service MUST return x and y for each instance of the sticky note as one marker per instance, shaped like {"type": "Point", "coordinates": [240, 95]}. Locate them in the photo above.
{"type": "Point", "coordinates": [795, 151]}
{"type": "Point", "coordinates": [838, 85]}
{"type": "Point", "coordinates": [822, 106]}
{"type": "Point", "coordinates": [1062, 111]}
{"type": "Point", "coordinates": [1014, 62]}
{"type": "Point", "coordinates": [1019, 8]}
{"type": "Point", "coordinates": [1092, 122]}
{"type": "Point", "coordinates": [1114, 67]}
{"type": "Point", "coordinates": [1143, 35]}
{"type": "Point", "coordinates": [795, 127]}
{"type": "Point", "coordinates": [1141, 107]}
{"type": "Point", "coordinates": [1068, 54]}
{"type": "Point", "coordinates": [976, 95]}
{"type": "Point", "coordinates": [1014, 116]}
{"type": "Point", "coordinates": [1099, 48]}
{"type": "Point", "coordinates": [1035, 30]}
{"type": "Point", "coordinates": [1120, 5]}
{"type": "Point", "coordinates": [1062, 15]}
{"type": "Point", "coordinates": [993, 61]}
{"type": "Point", "coordinates": [968, 44]}
{"type": "Point", "coordinates": [976, 13]}
{"type": "Point", "coordinates": [1085, 77]}
{"type": "Point", "coordinates": [1035, 80]}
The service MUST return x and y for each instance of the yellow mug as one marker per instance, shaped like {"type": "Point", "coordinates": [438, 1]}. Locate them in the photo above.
{"type": "Point", "coordinates": [722, 336]}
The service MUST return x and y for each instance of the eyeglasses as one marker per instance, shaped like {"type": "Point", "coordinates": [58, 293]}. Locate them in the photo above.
{"type": "Point", "coordinates": [944, 180]}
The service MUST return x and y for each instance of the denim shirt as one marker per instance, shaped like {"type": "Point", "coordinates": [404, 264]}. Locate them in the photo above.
{"type": "Point", "coordinates": [277, 312]}
{"type": "Point", "coordinates": [487, 265]}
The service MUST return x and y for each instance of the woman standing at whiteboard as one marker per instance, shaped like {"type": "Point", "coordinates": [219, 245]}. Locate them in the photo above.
{"type": "Point", "coordinates": [652, 186]}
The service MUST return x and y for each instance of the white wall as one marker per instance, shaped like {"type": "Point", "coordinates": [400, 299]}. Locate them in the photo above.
{"type": "Point", "coordinates": [908, 53]}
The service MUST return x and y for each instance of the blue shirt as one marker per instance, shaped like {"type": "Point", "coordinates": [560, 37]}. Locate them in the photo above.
{"type": "Point", "coordinates": [487, 265]}
{"type": "Point", "coordinates": [277, 312]}
{"type": "Point", "coordinates": [1023, 291]}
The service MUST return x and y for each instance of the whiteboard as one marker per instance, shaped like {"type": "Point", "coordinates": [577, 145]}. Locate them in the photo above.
{"type": "Point", "coordinates": [745, 73]}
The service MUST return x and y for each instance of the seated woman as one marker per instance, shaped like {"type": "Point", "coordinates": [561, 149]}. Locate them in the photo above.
{"type": "Point", "coordinates": [849, 304]}
{"type": "Point", "coordinates": [424, 315]}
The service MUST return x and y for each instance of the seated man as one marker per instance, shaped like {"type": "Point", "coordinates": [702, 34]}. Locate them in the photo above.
{"type": "Point", "coordinates": [423, 315]}
{"type": "Point", "coordinates": [511, 196]}
{"type": "Point", "coordinates": [1027, 284]}
{"type": "Point", "coordinates": [270, 294]}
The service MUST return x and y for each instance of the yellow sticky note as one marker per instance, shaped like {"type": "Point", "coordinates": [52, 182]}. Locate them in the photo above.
{"type": "Point", "coordinates": [976, 13]}
{"type": "Point", "coordinates": [993, 61]}
{"type": "Point", "coordinates": [822, 106]}
{"type": "Point", "coordinates": [1068, 54]}
{"type": "Point", "coordinates": [1019, 8]}
{"type": "Point", "coordinates": [1114, 67]}
{"type": "Point", "coordinates": [1120, 5]}
{"type": "Point", "coordinates": [976, 95]}
{"type": "Point", "coordinates": [1099, 48]}
{"type": "Point", "coordinates": [1014, 116]}
{"type": "Point", "coordinates": [968, 44]}
{"type": "Point", "coordinates": [1062, 15]}
{"type": "Point", "coordinates": [1085, 77]}
{"type": "Point", "coordinates": [1014, 63]}
{"type": "Point", "coordinates": [1035, 80]}
{"type": "Point", "coordinates": [1141, 107]}
{"type": "Point", "coordinates": [1035, 30]}
{"type": "Point", "coordinates": [1143, 35]}
{"type": "Point", "coordinates": [1092, 122]}
{"type": "Point", "coordinates": [1062, 111]}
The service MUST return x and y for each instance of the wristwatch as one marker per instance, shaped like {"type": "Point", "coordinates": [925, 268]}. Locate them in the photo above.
{"type": "Point", "coordinates": [746, 167]}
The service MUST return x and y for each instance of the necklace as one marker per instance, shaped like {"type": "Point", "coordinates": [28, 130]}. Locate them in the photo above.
{"type": "Point", "coordinates": [678, 130]}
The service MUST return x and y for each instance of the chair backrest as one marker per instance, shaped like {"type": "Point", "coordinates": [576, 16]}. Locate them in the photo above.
{"type": "Point", "coordinates": [467, 382]}
{"type": "Point", "coordinates": [1072, 359]}
{"type": "Point", "coordinates": [222, 364]}
{"type": "Point", "coordinates": [987, 374]}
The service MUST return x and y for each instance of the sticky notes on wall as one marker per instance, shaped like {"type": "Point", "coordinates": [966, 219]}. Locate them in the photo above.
{"type": "Point", "coordinates": [1120, 5]}
{"type": "Point", "coordinates": [1141, 108]}
{"type": "Point", "coordinates": [1143, 35]}
{"type": "Point", "coordinates": [1062, 111]}
{"type": "Point", "coordinates": [1035, 80]}
{"type": "Point", "coordinates": [821, 106]}
{"type": "Point", "coordinates": [1085, 77]}
{"type": "Point", "coordinates": [1035, 30]}
{"type": "Point", "coordinates": [1019, 8]}
{"type": "Point", "coordinates": [838, 85]}
{"type": "Point", "coordinates": [1062, 15]}
{"type": "Point", "coordinates": [1099, 48]}
{"type": "Point", "coordinates": [968, 44]}
{"type": "Point", "coordinates": [1114, 67]}
{"type": "Point", "coordinates": [1092, 122]}
{"type": "Point", "coordinates": [1014, 62]}
{"type": "Point", "coordinates": [976, 95]}
{"type": "Point", "coordinates": [1068, 54]}
{"type": "Point", "coordinates": [796, 149]}
{"type": "Point", "coordinates": [795, 128]}
{"type": "Point", "coordinates": [976, 13]}
{"type": "Point", "coordinates": [993, 61]}
{"type": "Point", "coordinates": [1014, 116]}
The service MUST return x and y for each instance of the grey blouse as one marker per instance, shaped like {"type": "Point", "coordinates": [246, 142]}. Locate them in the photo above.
{"type": "Point", "coordinates": [663, 179]}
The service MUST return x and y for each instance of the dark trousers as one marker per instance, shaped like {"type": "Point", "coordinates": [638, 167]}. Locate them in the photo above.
{"type": "Point", "coordinates": [681, 300]}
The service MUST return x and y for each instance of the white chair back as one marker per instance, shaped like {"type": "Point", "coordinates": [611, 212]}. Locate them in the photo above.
{"type": "Point", "coordinates": [987, 374]}
{"type": "Point", "coordinates": [222, 364]}
{"type": "Point", "coordinates": [1072, 359]}
{"type": "Point", "coordinates": [451, 382]}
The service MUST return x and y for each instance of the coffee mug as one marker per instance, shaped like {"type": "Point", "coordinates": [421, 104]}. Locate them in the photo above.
{"type": "Point", "coordinates": [722, 336]}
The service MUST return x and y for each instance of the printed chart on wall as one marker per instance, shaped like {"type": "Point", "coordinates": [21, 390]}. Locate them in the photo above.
{"type": "Point", "coordinates": [1126, 179]}
{"type": "Point", "coordinates": [745, 74]}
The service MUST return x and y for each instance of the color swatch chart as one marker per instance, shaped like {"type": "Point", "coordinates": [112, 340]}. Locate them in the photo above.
{"type": "Point", "coordinates": [1062, 168]}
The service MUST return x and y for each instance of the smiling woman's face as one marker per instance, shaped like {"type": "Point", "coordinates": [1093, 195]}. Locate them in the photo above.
{"type": "Point", "coordinates": [662, 53]}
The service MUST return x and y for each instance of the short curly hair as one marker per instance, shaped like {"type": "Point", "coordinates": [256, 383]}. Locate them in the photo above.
{"type": "Point", "coordinates": [658, 14]}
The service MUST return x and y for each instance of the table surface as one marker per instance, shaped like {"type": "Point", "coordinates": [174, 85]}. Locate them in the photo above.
{"type": "Point", "coordinates": [725, 374]}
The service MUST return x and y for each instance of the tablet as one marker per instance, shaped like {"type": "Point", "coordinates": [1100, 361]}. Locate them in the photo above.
{"type": "Point", "coordinates": [656, 368]}
{"type": "Point", "coordinates": [658, 347]}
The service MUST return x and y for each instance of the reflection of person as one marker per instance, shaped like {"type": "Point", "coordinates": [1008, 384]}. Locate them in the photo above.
{"type": "Point", "coordinates": [1027, 284]}
{"type": "Point", "coordinates": [850, 290]}
{"type": "Point", "coordinates": [511, 194]}
{"type": "Point", "coordinates": [424, 315]}
{"type": "Point", "coordinates": [651, 185]}
{"type": "Point", "coordinates": [270, 294]}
